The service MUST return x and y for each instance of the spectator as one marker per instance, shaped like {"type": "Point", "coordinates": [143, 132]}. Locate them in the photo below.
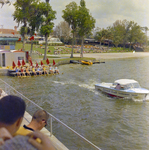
{"type": "Point", "coordinates": [44, 70]}
{"type": "Point", "coordinates": [12, 110]}
{"type": "Point", "coordinates": [17, 72]}
{"type": "Point", "coordinates": [56, 69]}
{"type": "Point", "coordinates": [51, 69]}
{"type": "Point", "coordinates": [38, 70]}
{"type": "Point", "coordinates": [24, 142]}
{"type": "Point", "coordinates": [39, 120]}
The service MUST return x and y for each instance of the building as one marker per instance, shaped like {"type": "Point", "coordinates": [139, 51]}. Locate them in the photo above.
{"type": "Point", "coordinates": [8, 38]}
{"type": "Point", "coordinates": [7, 57]}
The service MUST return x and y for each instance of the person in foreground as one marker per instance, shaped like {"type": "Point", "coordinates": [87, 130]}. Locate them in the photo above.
{"type": "Point", "coordinates": [39, 120]}
{"type": "Point", "coordinates": [24, 142]}
{"type": "Point", "coordinates": [12, 110]}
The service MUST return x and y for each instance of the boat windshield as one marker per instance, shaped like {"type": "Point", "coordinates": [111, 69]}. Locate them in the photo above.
{"type": "Point", "coordinates": [136, 85]}
{"type": "Point", "coordinates": [132, 85]}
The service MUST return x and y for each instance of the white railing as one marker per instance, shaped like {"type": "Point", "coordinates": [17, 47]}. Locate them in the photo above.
{"type": "Point", "coordinates": [10, 90]}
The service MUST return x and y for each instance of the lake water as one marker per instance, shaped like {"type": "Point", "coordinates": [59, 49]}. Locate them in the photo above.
{"type": "Point", "coordinates": [111, 124]}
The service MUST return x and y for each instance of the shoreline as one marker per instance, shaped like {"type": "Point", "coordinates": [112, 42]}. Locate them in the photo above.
{"type": "Point", "coordinates": [108, 56]}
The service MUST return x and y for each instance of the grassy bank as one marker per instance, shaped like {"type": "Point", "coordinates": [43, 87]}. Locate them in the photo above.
{"type": "Point", "coordinates": [67, 49]}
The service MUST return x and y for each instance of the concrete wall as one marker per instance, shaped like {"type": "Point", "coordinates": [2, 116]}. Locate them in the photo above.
{"type": "Point", "coordinates": [10, 57]}
{"type": "Point", "coordinates": [8, 61]}
{"type": "Point", "coordinates": [18, 56]}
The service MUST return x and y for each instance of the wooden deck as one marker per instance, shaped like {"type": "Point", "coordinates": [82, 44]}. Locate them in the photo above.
{"type": "Point", "coordinates": [58, 145]}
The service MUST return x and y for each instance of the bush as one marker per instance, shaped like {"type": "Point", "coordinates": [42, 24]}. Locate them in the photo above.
{"type": "Point", "coordinates": [56, 44]}
{"type": "Point", "coordinates": [34, 42]}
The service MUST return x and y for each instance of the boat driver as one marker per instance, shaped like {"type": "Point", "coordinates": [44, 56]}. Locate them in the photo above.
{"type": "Point", "coordinates": [118, 86]}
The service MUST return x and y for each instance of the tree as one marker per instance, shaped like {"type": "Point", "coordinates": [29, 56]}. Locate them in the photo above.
{"type": "Point", "coordinates": [116, 35]}
{"type": "Point", "coordinates": [126, 31]}
{"type": "Point", "coordinates": [85, 22]}
{"type": "Point", "coordinates": [34, 22]}
{"type": "Point", "coordinates": [108, 34]}
{"type": "Point", "coordinates": [23, 11]}
{"type": "Point", "coordinates": [120, 32]}
{"type": "Point", "coordinates": [47, 24]}
{"type": "Point", "coordinates": [70, 15]}
{"type": "Point", "coordinates": [126, 25]}
{"type": "Point", "coordinates": [134, 33]}
{"type": "Point", "coordinates": [145, 29]}
{"type": "Point", "coordinates": [101, 35]}
{"type": "Point", "coordinates": [63, 31]}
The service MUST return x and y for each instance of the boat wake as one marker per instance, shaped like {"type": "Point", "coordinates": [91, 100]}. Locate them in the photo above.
{"type": "Point", "coordinates": [59, 82]}
{"type": "Point", "coordinates": [90, 86]}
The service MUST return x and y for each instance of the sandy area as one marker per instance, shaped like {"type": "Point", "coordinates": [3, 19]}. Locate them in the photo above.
{"type": "Point", "coordinates": [102, 56]}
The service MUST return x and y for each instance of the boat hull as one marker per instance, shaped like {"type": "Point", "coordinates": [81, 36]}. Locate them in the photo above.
{"type": "Point", "coordinates": [122, 93]}
{"type": "Point", "coordinates": [86, 63]}
{"type": "Point", "coordinates": [13, 73]}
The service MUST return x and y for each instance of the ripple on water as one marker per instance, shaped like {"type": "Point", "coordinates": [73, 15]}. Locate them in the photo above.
{"type": "Point", "coordinates": [71, 97]}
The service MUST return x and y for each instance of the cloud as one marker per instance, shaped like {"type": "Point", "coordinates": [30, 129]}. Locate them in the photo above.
{"type": "Point", "coordinates": [106, 12]}
{"type": "Point", "coordinates": [6, 19]}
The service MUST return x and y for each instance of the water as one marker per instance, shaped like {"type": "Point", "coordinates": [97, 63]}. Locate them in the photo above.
{"type": "Point", "coordinates": [70, 96]}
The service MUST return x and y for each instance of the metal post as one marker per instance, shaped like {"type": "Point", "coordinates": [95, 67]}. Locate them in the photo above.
{"type": "Point", "coordinates": [51, 126]}
{"type": "Point", "coordinates": [5, 88]}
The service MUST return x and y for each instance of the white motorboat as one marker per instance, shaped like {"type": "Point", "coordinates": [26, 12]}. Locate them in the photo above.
{"type": "Point", "coordinates": [123, 88]}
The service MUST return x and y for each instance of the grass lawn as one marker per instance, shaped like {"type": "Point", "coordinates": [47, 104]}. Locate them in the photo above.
{"type": "Point", "coordinates": [51, 48]}
{"type": "Point", "coordinates": [41, 48]}
{"type": "Point", "coordinates": [67, 50]}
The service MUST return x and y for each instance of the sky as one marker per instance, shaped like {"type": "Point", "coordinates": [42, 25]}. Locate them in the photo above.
{"type": "Point", "coordinates": [105, 12]}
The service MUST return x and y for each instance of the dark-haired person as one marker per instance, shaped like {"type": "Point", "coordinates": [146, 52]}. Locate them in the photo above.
{"type": "Point", "coordinates": [12, 110]}
{"type": "Point", "coordinates": [39, 120]}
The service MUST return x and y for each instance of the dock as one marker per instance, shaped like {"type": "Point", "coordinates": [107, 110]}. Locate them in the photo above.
{"type": "Point", "coordinates": [56, 143]}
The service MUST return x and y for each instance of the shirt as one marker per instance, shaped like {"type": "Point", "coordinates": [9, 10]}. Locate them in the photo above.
{"type": "Point", "coordinates": [17, 143]}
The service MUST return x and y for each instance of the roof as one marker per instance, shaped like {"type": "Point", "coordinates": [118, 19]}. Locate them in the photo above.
{"type": "Point", "coordinates": [9, 33]}
{"type": "Point", "coordinates": [125, 81]}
